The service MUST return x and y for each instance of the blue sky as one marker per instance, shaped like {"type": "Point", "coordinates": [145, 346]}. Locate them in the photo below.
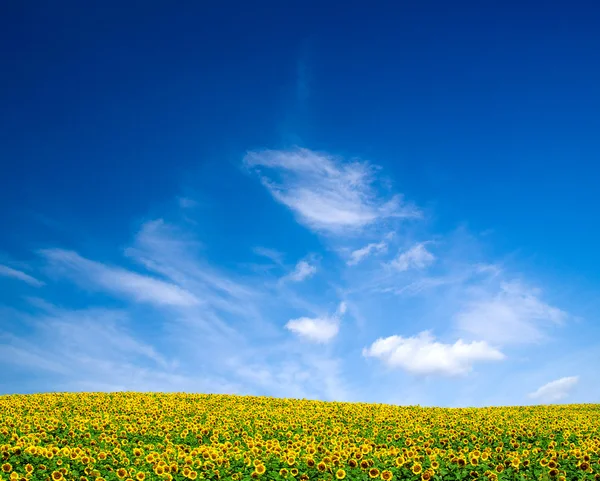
{"type": "Point", "coordinates": [369, 203]}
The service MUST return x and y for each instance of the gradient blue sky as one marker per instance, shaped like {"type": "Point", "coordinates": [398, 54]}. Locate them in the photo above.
{"type": "Point", "coordinates": [368, 203]}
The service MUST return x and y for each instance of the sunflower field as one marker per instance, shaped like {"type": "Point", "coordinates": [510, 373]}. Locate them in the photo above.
{"type": "Point", "coordinates": [137, 437]}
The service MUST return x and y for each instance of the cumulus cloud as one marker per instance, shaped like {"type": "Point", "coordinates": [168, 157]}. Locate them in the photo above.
{"type": "Point", "coordinates": [423, 355]}
{"type": "Point", "coordinates": [6, 271]}
{"type": "Point", "coordinates": [317, 329]}
{"type": "Point", "coordinates": [514, 315]}
{"type": "Point", "coordinates": [302, 271]}
{"type": "Point", "coordinates": [417, 257]}
{"type": "Point", "coordinates": [325, 193]}
{"type": "Point", "coordinates": [359, 254]}
{"type": "Point", "coordinates": [555, 390]}
{"type": "Point", "coordinates": [119, 281]}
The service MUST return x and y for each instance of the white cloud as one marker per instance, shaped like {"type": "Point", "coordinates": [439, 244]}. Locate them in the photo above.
{"type": "Point", "coordinates": [302, 271]}
{"type": "Point", "coordinates": [325, 193]}
{"type": "Point", "coordinates": [417, 257]}
{"type": "Point", "coordinates": [555, 390]}
{"type": "Point", "coordinates": [6, 271]}
{"type": "Point", "coordinates": [318, 329]}
{"type": "Point", "coordinates": [117, 280]}
{"type": "Point", "coordinates": [272, 254]}
{"type": "Point", "coordinates": [422, 355]}
{"type": "Point", "coordinates": [514, 315]}
{"type": "Point", "coordinates": [359, 254]}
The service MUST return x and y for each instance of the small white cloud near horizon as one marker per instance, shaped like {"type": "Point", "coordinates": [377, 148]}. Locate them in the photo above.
{"type": "Point", "coordinates": [360, 254]}
{"type": "Point", "coordinates": [325, 193]}
{"type": "Point", "coordinates": [6, 271]}
{"type": "Point", "coordinates": [301, 272]}
{"type": "Point", "coordinates": [555, 390]}
{"type": "Point", "coordinates": [417, 257]}
{"type": "Point", "coordinates": [140, 287]}
{"type": "Point", "coordinates": [319, 329]}
{"type": "Point", "coordinates": [514, 315]}
{"type": "Point", "coordinates": [423, 355]}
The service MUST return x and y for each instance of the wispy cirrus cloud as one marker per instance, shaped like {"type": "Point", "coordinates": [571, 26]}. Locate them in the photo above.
{"type": "Point", "coordinates": [6, 271]}
{"type": "Point", "coordinates": [117, 280]}
{"type": "Point", "coordinates": [513, 314]}
{"type": "Point", "coordinates": [326, 193]}
{"type": "Point", "coordinates": [301, 272]}
{"type": "Point", "coordinates": [242, 348]}
{"type": "Point", "coordinates": [555, 390]}
{"type": "Point", "coordinates": [358, 255]}
{"type": "Point", "coordinates": [423, 355]}
{"type": "Point", "coordinates": [417, 257]}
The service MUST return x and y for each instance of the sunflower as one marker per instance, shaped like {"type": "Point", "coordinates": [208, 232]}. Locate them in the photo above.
{"type": "Point", "coordinates": [352, 463]}
{"type": "Point", "coordinates": [386, 475]}
{"type": "Point", "coordinates": [584, 466]}
{"type": "Point", "coordinates": [373, 473]}
{"type": "Point", "coordinates": [416, 468]}
{"type": "Point", "coordinates": [500, 468]}
{"type": "Point", "coordinates": [140, 476]}
{"type": "Point", "coordinates": [553, 473]}
{"type": "Point", "coordinates": [260, 469]}
{"type": "Point", "coordinates": [283, 472]}
{"type": "Point", "coordinates": [57, 475]}
{"type": "Point", "coordinates": [322, 466]}
{"type": "Point", "coordinates": [29, 468]}
{"type": "Point", "coordinates": [7, 467]}
{"type": "Point", "coordinates": [364, 464]}
{"type": "Point", "coordinates": [426, 476]}
{"type": "Point", "coordinates": [193, 475]}
{"type": "Point", "coordinates": [310, 462]}
{"type": "Point", "coordinates": [294, 471]}
{"type": "Point", "coordinates": [340, 474]}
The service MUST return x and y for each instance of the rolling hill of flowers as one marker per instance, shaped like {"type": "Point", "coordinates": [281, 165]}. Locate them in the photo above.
{"type": "Point", "coordinates": [135, 436]}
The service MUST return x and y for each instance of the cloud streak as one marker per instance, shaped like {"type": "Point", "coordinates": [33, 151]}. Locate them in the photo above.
{"type": "Point", "coordinates": [325, 193]}
{"type": "Point", "coordinates": [119, 281]}
{"type": "Point", "coordinates": [6, 271]}
{"type": "Point", "coordinates": [513, 315]}
{"type": "Point", "coordinates": [359, 255]}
